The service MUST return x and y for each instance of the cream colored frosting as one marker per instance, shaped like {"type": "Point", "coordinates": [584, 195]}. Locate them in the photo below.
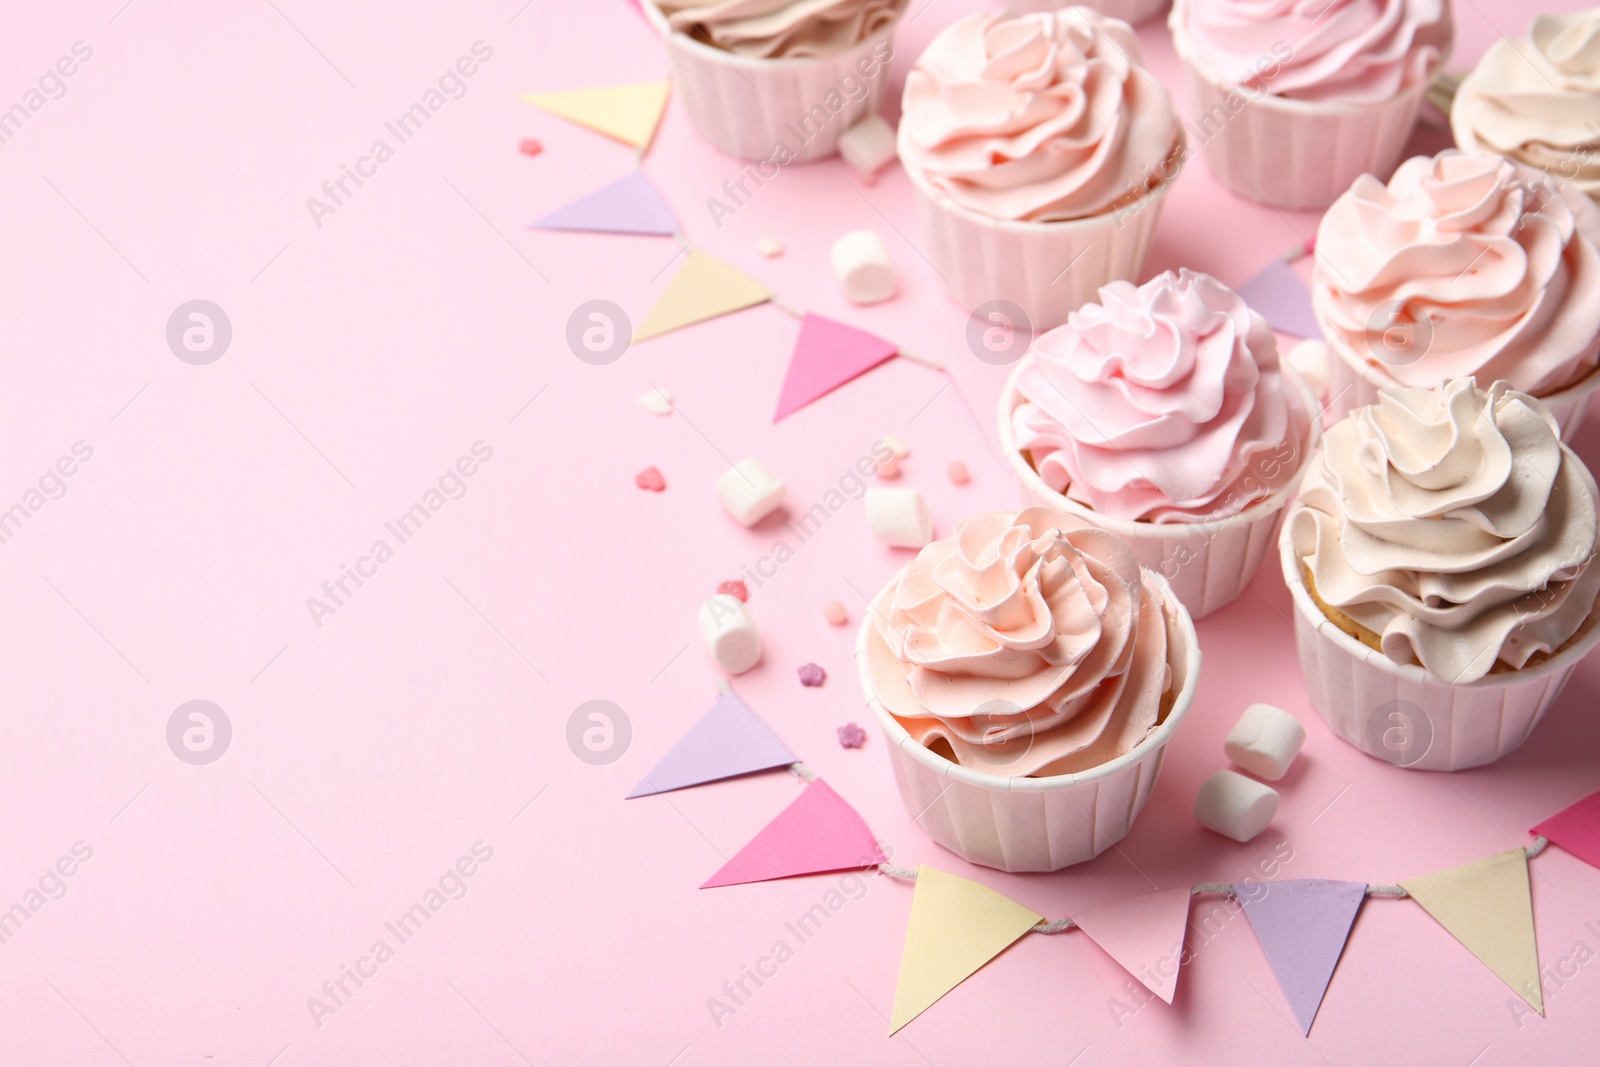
{"type": "Point", "coordinates": [1462, 265]}
{"type": "Point", "coordinates": [1044, 116]}
{"type": "Point", "coordinates": [1027, 643]}
{"type": "Point", "coordinates": [1538, 100]}
{"type": "Point", "coordinates": [780, 29]}
{"type": "Point", "coordinates": [1455, 525]}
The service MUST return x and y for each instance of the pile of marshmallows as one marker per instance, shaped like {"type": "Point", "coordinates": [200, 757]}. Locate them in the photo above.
{"type": "Point", "coordinates": [1264, 742]}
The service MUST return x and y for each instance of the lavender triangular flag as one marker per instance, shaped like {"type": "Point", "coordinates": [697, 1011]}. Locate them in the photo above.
{"type": "Point", "coordinates": [1302, 926]}
{"type": "Point", "coordinates": [826, 355]}
{"type": "Point", "coordinates": [631, 205]}
{"type": "Point", "coordinates": [817, 832]}
{"type": "Point", "coordinates": [729, 740]}
{"type": "Point", "coordinates": [1278, 294]}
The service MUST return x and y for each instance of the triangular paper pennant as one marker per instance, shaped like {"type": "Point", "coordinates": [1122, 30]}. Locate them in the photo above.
{"type": "Point", "coordinates": [729, 740]}
{"type": "Point", "coordinates": [826, 355]}
{"type": "Point", "coordinates": [817, 832]}
{"type": "Point", "coordinates": [631, 205]}
{"type": "Point", "coordinates": [1281, 298]}
{"type": "Point", "coordinates": [629, 113]}
{"type": "Point", "coordinates": [1487, 907]}
{"type": "Point", "coordinates": [956, 927]}
{"type": "Point", "coordinates": [703, 288]}
{"type": "Point", "coordinates": [1576, 829]}
{"type": "Point", "coordinates": [1143, 934]}
{"type": "Point", "coordinates": [1302, 926]}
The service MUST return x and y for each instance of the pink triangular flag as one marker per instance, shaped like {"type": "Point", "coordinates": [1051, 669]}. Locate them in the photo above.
{"type": "Point", "coordinates": [1144, 935]}
{"type": "Point", "coordinates": [1302, 925]}
{"type": "Point", "coordinates": [1576, 829]}
{"type": "Point", "coordinates": [1280, 297]}
{"type": "Point", "coordinates": [729, 740]}
{"type": "Point", "coordinates": [826, 355]}
{"type": "Point", "coordinates": [631, 205]}
{"type": "Point", "coordinates": [817, 832]}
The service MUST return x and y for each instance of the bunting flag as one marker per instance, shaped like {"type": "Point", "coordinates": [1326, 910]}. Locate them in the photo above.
{"type": "Point", "coordinates": [817, 832]}
{"type": "Point", "coordinates": [704, 288]}
{"type": "Point", "coordinates": [1281, 298]}
{"type": "Point", "coordinates": [1302, 926]}
{"type": "Point", "coordinates": [1576, 829]}
{"type": "Point", "coordinates": [826, 355]}
{"type": "Point", "coordinates": [956, 927]}
{"type": "Point", "coordinates": [729, 740]}
{"type": "Point", "coordinates": [631, 205]}
{"type": "Point", "coordinates": [630, 113]}
{"type": "Point", "coordinates": [1487, 907]}
{"type": "Point", "coordinates": [1144, 935]}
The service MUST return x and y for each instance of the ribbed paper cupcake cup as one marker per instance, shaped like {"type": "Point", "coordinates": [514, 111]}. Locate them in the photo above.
{"type": "Point", "coordinates": [1034, 824]}
{"type": "Point", "coordinates": [1046, 269]}
{"type": "Point", "coordinates": [1133, 11]}
{"type": "Point", "coordinates": [747, 105]}
{"type": "Point", "coordinates": [1406, 716]}
{"type": "Point", "coordinates": [1207, 564]}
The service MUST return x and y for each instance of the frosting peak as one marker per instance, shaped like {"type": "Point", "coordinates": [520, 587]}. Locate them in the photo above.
{"type": "Point", "coordinates": [780, 29]}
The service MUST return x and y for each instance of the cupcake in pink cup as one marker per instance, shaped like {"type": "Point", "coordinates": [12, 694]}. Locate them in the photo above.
{"type": "Point", "coordinates": [1040, 152]}
{"type": "Point", "coordinates": [1459, 266]}
{"type": "Point", "coordinates": [1163, 414]}
{"type": "Point", "coordinates": [1130, 11]}
{"type": "Point", "coordinates": [777, 81]}
{"type": "Point", "coordinates": [1028, 674]}
{"type": "Point", "coordinates": [1292, 99]}
{"type": "Point", "coordinates": [1441, 561]}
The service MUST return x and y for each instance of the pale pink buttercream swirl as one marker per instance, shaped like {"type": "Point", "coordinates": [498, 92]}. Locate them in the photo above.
{"type": "Point", "coordinates": [1462, 266]}
{"type": "Point", "coordinates": [1336, 51]}
{"type": "Point", "coordinates": [1163, 403]}
{"type": "Point", "coordinates": [780, 29]}
{"type": "Point", "coordinates": [1028, 643]}
{"type": "Point", "coordinates": [1042, 117]}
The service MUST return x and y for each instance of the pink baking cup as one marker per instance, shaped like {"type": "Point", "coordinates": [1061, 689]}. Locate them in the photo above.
{"type": "Point", "coordinates": [1046, 269]}
{"type": "Point", "coordinates": [747, 105]}
{"type": "Point", "coordinates": [1207, 564]}
{"type": "Point", "coordinates": [1034, 824]}
{"type": "Point", "coordinates": [1131, 11]}
{"type": "Point", "coordinates": [1402, 714]}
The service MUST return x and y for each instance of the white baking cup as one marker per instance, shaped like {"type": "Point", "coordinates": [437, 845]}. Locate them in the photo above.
{"type": "Point", "coordinates": [1402, 714]}
{"type": "Point", "coordinates": [1132, 11]}
{"type": "Point", "coordinates": [745, 105]}
{"type": "Point", "coordinates": [1208, 564]}
{"type": "Point", "coordinates": [1034, 824]}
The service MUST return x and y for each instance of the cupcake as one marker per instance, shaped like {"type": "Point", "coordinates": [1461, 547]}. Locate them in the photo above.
{"type": "Point", "coordinates": [1163, 414]}
{"type": "Point", "coordinates": [1460, 266]}
{"type": "Point", "coordinates": [1537, 101]}
{"type": "Point", "coordinates": [777, 81]}
{"type": "Point", "coordinates": [1292, 101]}
{"type": "Point", "coordinates": [1040, 151]}
{"type": "Point", "coordinates": [1029, 674]}
{"type": "Point", "coordinates": [1441, 561]}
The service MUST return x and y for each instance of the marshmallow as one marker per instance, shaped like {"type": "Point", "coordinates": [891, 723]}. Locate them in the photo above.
{"type": "Point", "coordinates": [656, 402]}
{"type": "Point", "coordinates": [1235, 806]}
{"type": "Point", "coordinates": [899, 517]}
{"type": "Point", "coordinates": [769, 247]}
{"type": "Point", "coordinates": [1265, 741]}
{"type": "Point", "coordinates": [861, 263]}
{"type": "Point", "coordinates": [897, 446]}
{"type": "Point", "coordinates": [867, 145]}
{"type": "Point", "coordinates": [749, 492]}
{"type": "Point", "coordinates": [730, 633]}
{"type": "Point", "coordinates": [1309, 359]}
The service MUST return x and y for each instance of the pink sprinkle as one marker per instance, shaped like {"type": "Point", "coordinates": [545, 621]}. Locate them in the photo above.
{"type": "Point", "coordinates": [650, 479]}
{"type": "Point", "coordinates": [958, 473]}
{"type": "Point", "coordinates": [735, 587]}
{"type": "Point", "coordinates": [811, 674]}
{"type": "Point", "coordinates": [851, 735]}
{"type": "Point", "coordinates": [530, 147]}
{"type": "Point", "coordinates": [889, 468]}
{"type": "Point", "coordinates": [834, 612]}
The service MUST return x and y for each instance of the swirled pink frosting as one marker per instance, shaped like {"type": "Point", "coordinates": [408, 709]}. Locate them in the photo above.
{"type": "Point", "coordinates": [1045, 116]}
{"type": "Point", "coordinates": [1026, 644]}
{"type": "Point", "coordinates": [1337, 51]}
{"type": "Point", "coordinates": [780, 29]}
{"type": "Point", "coordinates": [1163, 403]}
{"type": "Point", "coordinates": [1462, 266]}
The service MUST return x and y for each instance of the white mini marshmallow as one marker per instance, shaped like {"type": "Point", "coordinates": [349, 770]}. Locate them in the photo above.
{"type": "Point", "coordinates": [899, 517]}
{"type": "Point", "coordinates": [897, 446]}
{"type": "Point", "coordinates": [1309, 359]}
{"type": "Point", "coordinates": [749, 492]}
{"type": "Point", "coordinates": [769, 247]}
{"type": "Point", "coordinates": [867, 145]}
{"type": "Point", "coordinates": [1265, 741]}
{"type": "Point", "coordinates": [1235, 806]}
{"type": "Point", "coordinates": [730, 633]}
{"type": "Point", "coordinates": [656, 402]}
{"type": "Point", "coordinates": [861, 263]}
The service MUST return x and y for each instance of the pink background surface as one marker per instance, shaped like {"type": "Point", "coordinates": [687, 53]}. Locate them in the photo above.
{"type": "Point", "coordinates": [371, 752]}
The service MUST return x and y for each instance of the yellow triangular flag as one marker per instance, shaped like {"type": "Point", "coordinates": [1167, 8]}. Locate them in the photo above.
{"type": "Point", "coordinates": [627, 112]}
{"type": "Point", "coordinates": [1487, 907]}
{"type": "Point", "coordinates": [956, 927]}
{"type": "Point", "coordinates": [703, 288]}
